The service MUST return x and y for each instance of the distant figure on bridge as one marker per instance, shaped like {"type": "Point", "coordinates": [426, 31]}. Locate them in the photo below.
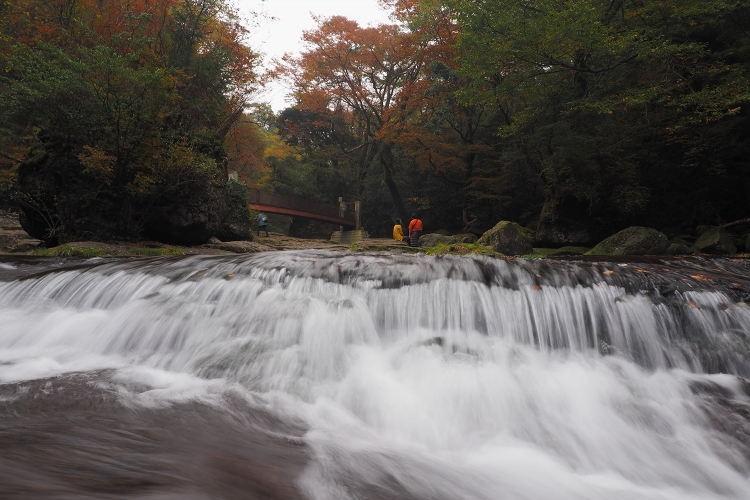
{"type": "Point", "coordinates": [398, 231]}
{"type": "Point", "coordinates": [262, 223]}
{"type": "Point", "coordinates": [415, 230]}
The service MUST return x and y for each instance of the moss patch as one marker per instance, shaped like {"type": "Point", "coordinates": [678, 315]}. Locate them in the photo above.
{"type": "Point", "coordinates": [91, 252]}
{"type": "Point", "coordinates": [69, 251]}
{"type": "Point", "coordinates": [462, 249]}
{"type": "Point", "coordinates": [157, 251]}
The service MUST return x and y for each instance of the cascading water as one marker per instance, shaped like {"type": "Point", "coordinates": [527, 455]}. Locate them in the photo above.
{"type": "Point", "coordinates": [375, 376]}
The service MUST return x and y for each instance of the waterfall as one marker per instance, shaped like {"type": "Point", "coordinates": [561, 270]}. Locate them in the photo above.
{"type": "Point", "coordinates": [421, 377]}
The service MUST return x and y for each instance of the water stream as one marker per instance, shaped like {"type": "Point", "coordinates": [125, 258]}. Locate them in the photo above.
{"type": "Point", "coordinates": [320, 375]}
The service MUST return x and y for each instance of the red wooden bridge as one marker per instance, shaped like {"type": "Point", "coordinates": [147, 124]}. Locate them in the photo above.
{"type": "Point", "coordinates": [284, 204]}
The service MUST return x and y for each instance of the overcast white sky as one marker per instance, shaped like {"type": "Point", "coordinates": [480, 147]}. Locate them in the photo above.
{"type": "Point", "coordinates": [284, 34]}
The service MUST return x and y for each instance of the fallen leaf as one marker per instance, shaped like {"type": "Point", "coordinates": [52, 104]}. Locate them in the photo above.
{"type": "Point", "coordinates": [641, 270]}
{"type": "Point", "coordinates": [538, 275]}
{"type": "Point", "coordinates": [608, 272]}
{"type": "Point", "coordinates": [693, 305]}
{"type": "Point", "coordinates": [722, 306]}
{"type": "Point", "coordinates": [700, 277]}
{"type": "Point", "coordinates": [537, 287]}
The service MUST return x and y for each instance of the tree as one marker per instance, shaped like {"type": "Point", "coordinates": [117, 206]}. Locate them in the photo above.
{"type": "Point", "coordinates": [362, 76]}
{"type": "Point", "coordinates": [612, 104]}
{"type": "Point", "coordinates": [124, 106]}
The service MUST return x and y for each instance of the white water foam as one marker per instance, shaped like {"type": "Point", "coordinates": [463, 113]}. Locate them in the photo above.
{"type": "Point", "coordinates": [442, 388]}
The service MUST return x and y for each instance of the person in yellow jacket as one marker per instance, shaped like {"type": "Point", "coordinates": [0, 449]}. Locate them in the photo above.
{"type": "Point", "coordinates": [398, 231]}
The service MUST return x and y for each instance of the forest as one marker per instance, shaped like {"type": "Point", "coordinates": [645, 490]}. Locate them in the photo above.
{"type": "Point", "coordinates": [573, 118]}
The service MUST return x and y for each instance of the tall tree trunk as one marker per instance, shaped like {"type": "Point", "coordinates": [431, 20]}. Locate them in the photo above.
{"type": "Point", "coordinates": [385, 156]}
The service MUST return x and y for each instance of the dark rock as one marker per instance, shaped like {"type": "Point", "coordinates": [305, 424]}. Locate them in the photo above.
{"type": "Point", "coordinates": [565, 224]}
{"type": "Point", "coordinates": [507, 238]}
{"type": "Point", "coordinates": [702, 229]}
{"type": "Point", "coordinates": [469, 238]}
{"type": "Point", "coordinates": [37, 226]}
{"type": "Point", "coordinates": [678, 247]}
{"type": "Point", "coordinates": [216, 210]}
{"type": "Point", "coordinates": [213, 240]}
{"type": "Point", "coordinates": [562, 233]}
{"type": "Point", "coordinates": [433, 239]}
{"type": "Point", "coordinates": [633, 241]}
{"type": "Point", "coordinates": [715, 240]}
{"type": "Point", "coordinates": [192, 220]}
{"type": "Point", "coordinates": [739, 243]}
{"type": "Point", "coordinates": [747, 243]}
{"type": "Point", "coordinates": [236, 224]}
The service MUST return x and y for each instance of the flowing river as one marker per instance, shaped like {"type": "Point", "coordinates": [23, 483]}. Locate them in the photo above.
{"type": "Point", "coordinates": [320, 375]}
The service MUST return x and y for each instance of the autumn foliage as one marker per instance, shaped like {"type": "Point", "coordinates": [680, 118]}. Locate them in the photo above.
{"type": "Point", "coordinates": [118, 108]}
{"type": "Point", "coordinates": [574, 118]}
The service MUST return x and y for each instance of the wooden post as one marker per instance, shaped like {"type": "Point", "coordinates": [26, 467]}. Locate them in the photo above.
{"type": "Point", "coordinates": [342, 211]}
{"type": "Point", "coordinates": [357, 226]}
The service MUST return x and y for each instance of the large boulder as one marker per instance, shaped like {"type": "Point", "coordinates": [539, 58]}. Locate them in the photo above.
{"type": "Point", "coordinates": [434, 239]}
{"type": "Point", "coordinates": [507, 238]}
{"type": "Point", "coordinates": [564, 224]}
{"type": "Point", "coordinates": [633, 241]}
{"type": "Point", "coordinates": [562, 233]}
{"type": "Point", "coordinates": [715, 240]}
{"type": "Point", "coordinates": [213, 211]}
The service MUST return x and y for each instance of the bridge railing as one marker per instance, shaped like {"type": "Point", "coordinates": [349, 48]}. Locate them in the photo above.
{"type": "Point", "coordinates": [258, 197]}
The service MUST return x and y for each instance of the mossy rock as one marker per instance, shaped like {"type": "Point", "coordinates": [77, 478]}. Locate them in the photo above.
{"type": "Point", "coordinates": [569, 250]}
{"type": "Point", "coordinates": [716, 240]}
{"type": "Point", "coordinates": [463, 249]}
{"type": "Point", "coordinates": [508, 238]}
{"type": "Point", "coordinates": [634, 240]}
{"type": "Point", "coordinates": [434, 239]}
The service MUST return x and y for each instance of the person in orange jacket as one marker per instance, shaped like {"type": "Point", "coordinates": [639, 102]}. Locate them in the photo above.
{"type": "Point", "coordinates": [415, 230]}
{"type": "Point", "coordinates": [398, 231]}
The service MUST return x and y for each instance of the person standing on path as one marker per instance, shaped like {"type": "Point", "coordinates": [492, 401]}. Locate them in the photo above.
{"type": "Point", "coordinates": [262, 223]}
{"type": "Point", "coordinates": [415, 230]}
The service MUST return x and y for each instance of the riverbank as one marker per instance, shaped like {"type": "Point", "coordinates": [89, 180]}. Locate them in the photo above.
{"type": "Point", "coordinates": [15, 241]}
